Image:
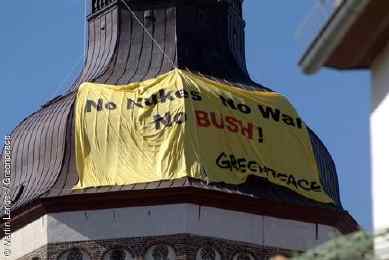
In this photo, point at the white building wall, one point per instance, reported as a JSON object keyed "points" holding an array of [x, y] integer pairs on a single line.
{"points": [[379, 121], [27, 239], [169, 220]]}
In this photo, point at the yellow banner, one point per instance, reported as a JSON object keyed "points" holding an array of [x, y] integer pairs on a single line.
{"points": [[182, 124]]}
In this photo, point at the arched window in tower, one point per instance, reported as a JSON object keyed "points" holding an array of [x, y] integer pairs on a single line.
{"points": [[75, 254], [118, 254], [149, 18], [160, 252], [201, 17], [243, 256], [240, 8], [235, 37], [208, 253]]}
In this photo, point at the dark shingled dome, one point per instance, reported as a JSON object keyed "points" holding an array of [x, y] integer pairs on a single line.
{"points": [[205, 37]]}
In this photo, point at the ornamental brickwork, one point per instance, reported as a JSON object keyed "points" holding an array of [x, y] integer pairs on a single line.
{"points": [[173, 247]]}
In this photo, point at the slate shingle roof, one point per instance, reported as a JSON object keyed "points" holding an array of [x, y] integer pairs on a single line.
{"points": [[119, 52]]}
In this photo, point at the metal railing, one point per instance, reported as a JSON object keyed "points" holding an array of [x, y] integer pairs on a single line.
{"points": [[98, 5]]}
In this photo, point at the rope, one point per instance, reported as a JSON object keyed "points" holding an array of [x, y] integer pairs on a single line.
{"points": [[148, 33], [60, 89]]}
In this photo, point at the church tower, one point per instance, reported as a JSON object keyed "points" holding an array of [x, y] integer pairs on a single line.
{"points": [[59, 212]]}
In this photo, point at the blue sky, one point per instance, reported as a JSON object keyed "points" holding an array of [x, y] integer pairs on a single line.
{"points": [[42, 49]]}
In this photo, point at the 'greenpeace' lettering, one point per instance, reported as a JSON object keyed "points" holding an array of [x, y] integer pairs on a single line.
{"points": [[232, 163]]}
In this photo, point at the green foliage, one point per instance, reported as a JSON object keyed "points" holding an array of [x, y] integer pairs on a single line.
{"points": [[357, 246]]}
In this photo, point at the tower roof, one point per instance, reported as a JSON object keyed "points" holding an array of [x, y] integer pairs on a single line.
{"points": [[205, 37]]}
